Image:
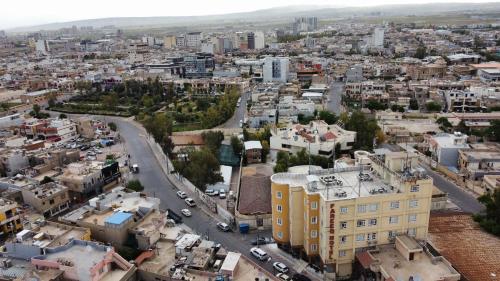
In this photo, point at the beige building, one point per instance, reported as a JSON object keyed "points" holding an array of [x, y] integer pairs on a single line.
{"points": [[327, 216], [48, 199]]}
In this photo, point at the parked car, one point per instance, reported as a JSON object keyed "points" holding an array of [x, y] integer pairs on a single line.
{"points": [[190, 202], [182, 194], [300, 277], [259, 254], [211, 192], [262, 241], [281, 267], [283, 276], [223, 226], [135, 168], [174, 216], [186, 212], [222, 194]]}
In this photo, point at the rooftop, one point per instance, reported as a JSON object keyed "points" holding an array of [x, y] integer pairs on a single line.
{"points": [[472, 251], [255, 190], [118, 218]]}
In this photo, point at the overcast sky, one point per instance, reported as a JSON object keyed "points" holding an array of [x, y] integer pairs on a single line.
{"points": [[15, 13]]}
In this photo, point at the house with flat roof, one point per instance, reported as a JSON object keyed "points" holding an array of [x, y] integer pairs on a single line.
{"points": [[444, 147]]}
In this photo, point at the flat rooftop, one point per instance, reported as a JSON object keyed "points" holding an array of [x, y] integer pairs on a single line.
{"points": [[163, 258], [118, 218], [398, 267], [340, 185]]}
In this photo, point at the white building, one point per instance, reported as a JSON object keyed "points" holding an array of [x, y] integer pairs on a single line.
{"points": [[208, 48], [489, 74], [276, 69], [444, 147], [193, 39], [378, 37], [318, 137], [259, 40]]}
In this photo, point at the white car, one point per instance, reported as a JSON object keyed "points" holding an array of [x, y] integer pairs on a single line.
{"points": [[280, 267], [190, 202], [259, 254], [223, 226], [222, 194], [182, 194], [283, 276], [186, 212]]}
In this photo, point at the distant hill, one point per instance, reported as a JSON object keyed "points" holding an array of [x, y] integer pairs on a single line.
{"points": [[275, 14]]}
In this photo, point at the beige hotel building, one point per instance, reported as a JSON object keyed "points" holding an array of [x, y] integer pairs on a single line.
{"points": [[328, 216]]}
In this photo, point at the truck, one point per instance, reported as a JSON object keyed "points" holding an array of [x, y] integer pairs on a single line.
{"points": [[174, 216]]}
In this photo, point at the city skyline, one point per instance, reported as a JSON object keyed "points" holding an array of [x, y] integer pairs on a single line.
{"points": [[60, 11]]}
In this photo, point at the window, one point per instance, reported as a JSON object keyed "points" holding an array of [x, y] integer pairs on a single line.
{"points": [[279, 195], [343, 210], [412, 218], [343, 239], [314, 205], [360, 237], [279, 208], [392, 234], [395, 205], [413, 203], [314, 234], [279, 221], [373, 222], [314, 247], [361, 223], [412, 232], [361, 208], [51, 201], [343, 225], [342, 253], [314, 220], [393, 219], [414, 188], [373, 207], [280, 234], [371, 236]]}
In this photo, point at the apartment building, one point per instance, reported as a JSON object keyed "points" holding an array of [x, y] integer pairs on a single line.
{"points": [[480, 160], [462, 101], [10, 221], [48, 199], [193, 39], [444, 147], [275, 69], [327, 216], [318, 138], [426, 71]]}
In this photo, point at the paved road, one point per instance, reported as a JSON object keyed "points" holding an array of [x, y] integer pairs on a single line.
{"points": [[335, 97], [459, 197], [239, 113], [156, 184]]}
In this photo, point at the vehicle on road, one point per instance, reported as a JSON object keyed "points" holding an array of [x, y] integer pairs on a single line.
{"points": [[280, 267], [182, 194], [300, 277], [135, 168], [259, 254], [222, 194], [262, 241], [223, 226], [174, 216], [190, 202], [186, 212], [211, 192], [283, 276]]}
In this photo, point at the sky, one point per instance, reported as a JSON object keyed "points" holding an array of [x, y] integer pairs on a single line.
{"points": [[17, 13]]}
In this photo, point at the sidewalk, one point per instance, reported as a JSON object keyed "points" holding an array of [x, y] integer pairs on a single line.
{"points": [[298, 265]]}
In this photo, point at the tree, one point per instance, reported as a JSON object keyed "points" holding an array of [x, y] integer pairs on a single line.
{"points": [[433, 106], [265, 150], [444, 124], [490, 220], [236, 144], [282, 159], [493, 132], [421, 52], [413, 104], [202, 168], [46, 179], [36, 110], [213, 140], [375, 105], [135, 185], [112, 126], [365, 130], [63, 116], [478, 42], [328, 117]]}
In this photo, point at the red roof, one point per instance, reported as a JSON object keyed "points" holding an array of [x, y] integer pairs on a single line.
{"points": [[329, 136], [365, 259]]}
